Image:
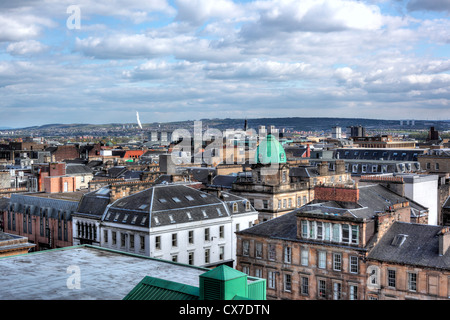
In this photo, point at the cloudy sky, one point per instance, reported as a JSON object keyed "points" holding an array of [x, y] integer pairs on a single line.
{"points": [[83, 61]]}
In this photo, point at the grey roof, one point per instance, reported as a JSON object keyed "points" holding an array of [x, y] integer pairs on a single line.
{"points": [[224, 181], [420, 248], [105, 274], [386, 154], [282, 227], [303, 172], [75, 169], [172, 203], [21, 202], [94, 203], [4, 203]]}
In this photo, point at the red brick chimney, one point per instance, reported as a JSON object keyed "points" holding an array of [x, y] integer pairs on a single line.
{"points": [[336, 193]]}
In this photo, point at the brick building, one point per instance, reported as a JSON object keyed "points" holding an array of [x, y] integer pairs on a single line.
{"points": [[46, 221], [319, 250], [410, 262]]}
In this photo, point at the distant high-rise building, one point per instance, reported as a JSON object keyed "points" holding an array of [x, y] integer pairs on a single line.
{"points": [[336, 133], [356, 131]]}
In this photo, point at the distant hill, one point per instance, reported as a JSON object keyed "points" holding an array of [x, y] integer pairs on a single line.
{"points": [[289, 123]]}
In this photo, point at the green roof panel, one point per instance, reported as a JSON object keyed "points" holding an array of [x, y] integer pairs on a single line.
{"points": [[159, 289]]}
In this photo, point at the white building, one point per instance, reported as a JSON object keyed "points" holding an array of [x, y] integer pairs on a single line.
{"points": [[423, 189], [174, 222]]}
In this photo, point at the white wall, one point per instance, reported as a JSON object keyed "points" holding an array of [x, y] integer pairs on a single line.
{"points": [[424, 192]]}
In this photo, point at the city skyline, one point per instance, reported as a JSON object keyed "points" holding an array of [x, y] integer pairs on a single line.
{"points": [[102, 62]]}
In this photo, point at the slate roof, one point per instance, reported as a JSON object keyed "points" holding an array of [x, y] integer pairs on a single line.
{"points": [[4, 204], [420, 248], [387, 154], [168, 204], [372, 199], [50, 206], [282, 227], [94, 203], [77, 169]]}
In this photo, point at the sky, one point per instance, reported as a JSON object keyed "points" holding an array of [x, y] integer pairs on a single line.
{"points": [[82, 61]]}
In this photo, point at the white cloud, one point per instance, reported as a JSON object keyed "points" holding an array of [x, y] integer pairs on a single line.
{"points": [[25, 47]]}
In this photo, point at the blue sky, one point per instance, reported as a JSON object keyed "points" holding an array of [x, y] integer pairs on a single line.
{"points": [[194, 59]]}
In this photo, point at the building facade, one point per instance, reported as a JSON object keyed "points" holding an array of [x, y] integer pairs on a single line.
{"points": [[319, 250]]}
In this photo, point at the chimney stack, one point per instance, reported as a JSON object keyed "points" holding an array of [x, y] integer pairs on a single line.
{"points": [[444, 240]]}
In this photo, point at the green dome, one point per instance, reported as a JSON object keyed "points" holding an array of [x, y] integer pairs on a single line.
{"points": [[270, 151]]}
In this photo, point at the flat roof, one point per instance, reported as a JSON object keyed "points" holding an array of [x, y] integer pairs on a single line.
{"points": [[105, 274]]}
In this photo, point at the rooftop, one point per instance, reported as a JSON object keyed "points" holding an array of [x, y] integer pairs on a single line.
{"points": [[104, 274]]}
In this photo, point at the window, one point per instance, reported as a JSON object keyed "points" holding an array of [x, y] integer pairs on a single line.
{"points": [[174, 258], [336, 232], [247, 205], [391, 278], [191, 237], [337, 288], [123, 238], [207, 255], [175, 199], [114, 238], [132, 241], [271, 282], [221, 232], [172, 220], [304, 257], [174, 240], [345, 233], [312, 229], [235, 207], [287, 283], [258, 250], [355, 234], [353, 292], [157, 242], [105, 235], [290, 203], [245, 248], [287, 254], [284, 203], [207, 235], [354, 268], [191, 258], [258, 273], [271, 253], [337, 261], [322, 259], [327, 235], [321, 289], [221, 252], [436, 166], [299, 202], [304, 286], [189, 198], [320, 230], [412, 281], [142, 240], [304, 229], [204, 214], [189, 215]]}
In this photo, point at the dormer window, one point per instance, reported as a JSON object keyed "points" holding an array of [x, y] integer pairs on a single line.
{"points": [[235, 207], [398, 240]]}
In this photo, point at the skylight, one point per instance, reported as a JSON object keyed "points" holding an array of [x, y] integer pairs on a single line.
{"points": [[189, 198], [176, 199]]}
